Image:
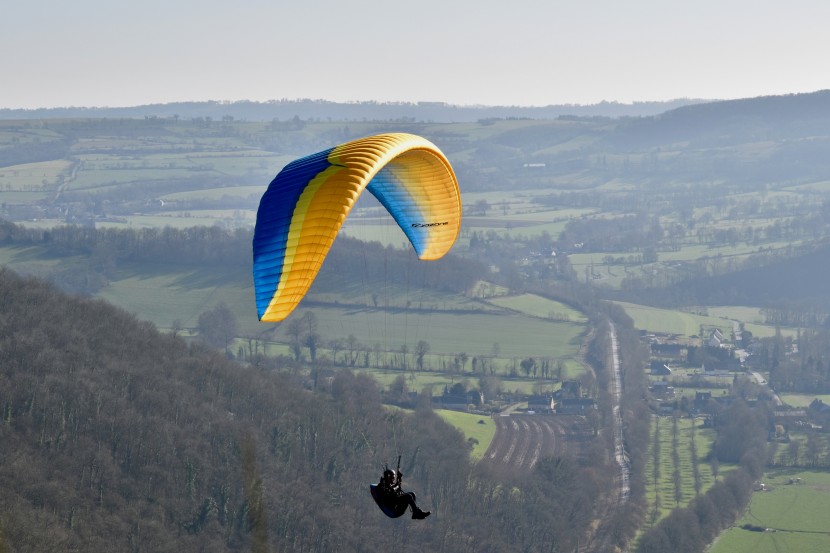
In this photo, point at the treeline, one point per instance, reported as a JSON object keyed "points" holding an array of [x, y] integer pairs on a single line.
{"points": [[372, 262], [800, 364], [168, 245], [98, 253], [116, 437], [33, 152], [789, 282], [741, 439]]}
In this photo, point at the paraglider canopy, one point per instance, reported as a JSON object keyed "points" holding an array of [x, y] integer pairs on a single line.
{"points": [[306, 203]]}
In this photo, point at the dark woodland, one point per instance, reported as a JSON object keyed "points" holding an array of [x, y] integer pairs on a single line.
{"points": [[116, 437]]}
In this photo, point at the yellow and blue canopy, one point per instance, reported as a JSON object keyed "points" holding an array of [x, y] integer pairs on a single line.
{"points": [[305, 205]]}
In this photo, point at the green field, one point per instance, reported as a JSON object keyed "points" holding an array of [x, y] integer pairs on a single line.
{"points": [[163, 296], [479, 429], [34, 177], [449, 333], [803, 400], [418, 381], [655, 319], [450, 324], [593, 266], [537, 306], [797, 515]]}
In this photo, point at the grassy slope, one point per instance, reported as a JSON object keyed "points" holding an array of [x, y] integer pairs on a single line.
{"points": [[797, 512], [474, 427]]}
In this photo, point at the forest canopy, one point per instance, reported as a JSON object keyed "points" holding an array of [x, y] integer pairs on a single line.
{"points": [[122, 437]]}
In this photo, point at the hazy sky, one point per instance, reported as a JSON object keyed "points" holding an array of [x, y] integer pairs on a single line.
{"points": [[514, 52]]}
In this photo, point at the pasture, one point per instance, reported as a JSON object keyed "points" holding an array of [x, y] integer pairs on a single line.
{"points": [[537, 306], [655, 319], [450, 325], [436, 381], [795, 514], [802, 400], [479, 430], [606, 270], [448, 333]]}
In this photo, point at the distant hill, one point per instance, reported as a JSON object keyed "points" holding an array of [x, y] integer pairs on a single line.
{"points": [[790, 116], [438, 112]]}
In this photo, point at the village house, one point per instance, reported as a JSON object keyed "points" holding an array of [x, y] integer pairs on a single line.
{"points": [[461, 401], [541, 404], [575, 406]]}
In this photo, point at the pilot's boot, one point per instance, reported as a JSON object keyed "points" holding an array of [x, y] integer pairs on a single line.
{"points": [[419, 514]]}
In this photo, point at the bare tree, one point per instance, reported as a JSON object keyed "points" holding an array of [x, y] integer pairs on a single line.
{"points": [[218, 326], [421, 349]]}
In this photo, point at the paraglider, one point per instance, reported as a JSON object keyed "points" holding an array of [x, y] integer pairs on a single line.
{"points": [[307, 202], [391, 498]]}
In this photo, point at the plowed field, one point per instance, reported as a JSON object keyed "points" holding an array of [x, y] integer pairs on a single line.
{"points": [[521, 440]]}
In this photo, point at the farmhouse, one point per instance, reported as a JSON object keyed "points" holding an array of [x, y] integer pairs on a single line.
{"points": [[716, 339], [540, 404], [575, 406], [461, 401]]}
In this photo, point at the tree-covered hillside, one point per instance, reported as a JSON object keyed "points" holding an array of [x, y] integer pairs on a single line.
{"points": [[115, 437]]}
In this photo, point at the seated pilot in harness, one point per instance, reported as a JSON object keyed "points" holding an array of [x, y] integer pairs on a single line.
{"points": [[392, 499]]}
